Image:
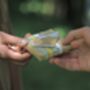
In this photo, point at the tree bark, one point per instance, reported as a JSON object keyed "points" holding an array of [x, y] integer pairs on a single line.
{"points": [[4, 16], [9, 73]]}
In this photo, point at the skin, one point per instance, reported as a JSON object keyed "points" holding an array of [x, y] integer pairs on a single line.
{"points": [[79, 58], [6, 51]]}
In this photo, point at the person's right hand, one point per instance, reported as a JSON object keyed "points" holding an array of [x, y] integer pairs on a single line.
{"points": [[79, 58], [7, 45]]}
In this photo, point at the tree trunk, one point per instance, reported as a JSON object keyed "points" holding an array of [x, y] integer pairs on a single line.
{"points": [[9, 73]]}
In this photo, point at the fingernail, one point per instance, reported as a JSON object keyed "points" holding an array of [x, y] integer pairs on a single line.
{"points": [[51, 61], [28, 35], [23, 42], [56, 61]]}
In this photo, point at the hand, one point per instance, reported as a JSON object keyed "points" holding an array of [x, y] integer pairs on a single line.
{"points": [[79, 58], [6, 51]]}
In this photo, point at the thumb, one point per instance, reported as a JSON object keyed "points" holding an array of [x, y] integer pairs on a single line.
{"points": [[22, 43], [77, 43], [73, 35]]}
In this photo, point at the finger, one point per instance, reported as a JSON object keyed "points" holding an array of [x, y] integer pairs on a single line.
{"points": [[22, 43], [7, 53], [18, 56], [73, 35], [57, 61], [28, 35], [52, 60], [71, 65], [68, 62], [7, 38], [65, 64], [60, 58]]}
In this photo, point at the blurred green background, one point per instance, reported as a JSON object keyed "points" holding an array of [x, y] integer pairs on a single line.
{"points": [[26, 17]]}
